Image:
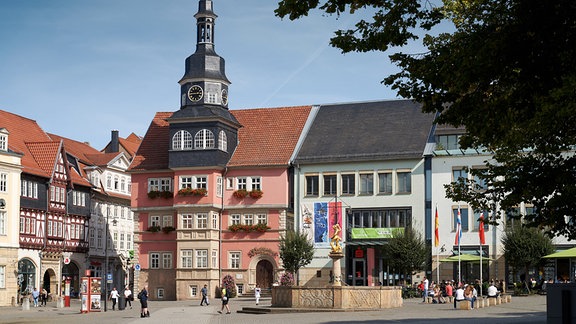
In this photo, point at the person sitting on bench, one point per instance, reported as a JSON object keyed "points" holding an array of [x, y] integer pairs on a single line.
{"points": [[459, 295]]}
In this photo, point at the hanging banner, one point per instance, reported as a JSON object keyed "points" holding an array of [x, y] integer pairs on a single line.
{"points": [[321, 224]]}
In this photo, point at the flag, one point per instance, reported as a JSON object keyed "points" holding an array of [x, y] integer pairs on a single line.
{"points": [[481, 229], [458, 228], [436, 225]]}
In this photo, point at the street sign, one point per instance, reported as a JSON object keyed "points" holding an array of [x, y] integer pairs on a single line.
{"points": [[66, 260], [137, 267], [109, 276]]}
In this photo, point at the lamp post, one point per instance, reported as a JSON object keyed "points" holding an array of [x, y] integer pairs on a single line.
{"points": [[106, 262]]}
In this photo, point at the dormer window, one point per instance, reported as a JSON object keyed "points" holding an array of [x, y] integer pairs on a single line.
{"points": [[222, 141], [203, 140], [182, 140], [3, 141]]}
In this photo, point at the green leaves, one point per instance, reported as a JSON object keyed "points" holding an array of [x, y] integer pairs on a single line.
{"points": [[296, 251]]}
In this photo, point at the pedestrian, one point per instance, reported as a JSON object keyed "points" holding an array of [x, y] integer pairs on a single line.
{"points": [[257, 291], [425, 282], [204, 292], [143, 296], [225, 298], [128, 296], [35, 295], [114, 297], [43, 297]]}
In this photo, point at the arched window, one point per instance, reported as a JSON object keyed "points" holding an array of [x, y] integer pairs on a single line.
{"points": [[222, 141], [204, 139], [182, 140]]}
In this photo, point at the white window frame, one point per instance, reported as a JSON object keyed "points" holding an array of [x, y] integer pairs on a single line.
{"points": [[3, 142], [234, 259], [261, 219], [201, 257], [186, 258], [235, 219], [154, 220], [214, 258], [202, 221], [167, 220], [154, 260], [3, 223], [248, 219], [204, 139], [167, 260], [2, 276], [3, 182], [222, 141], [187, 221], [182, 140]]}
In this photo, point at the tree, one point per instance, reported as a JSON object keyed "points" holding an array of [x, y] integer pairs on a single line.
{"points": [[524, 248], [406, 252], [296, 251], [506, 73]]}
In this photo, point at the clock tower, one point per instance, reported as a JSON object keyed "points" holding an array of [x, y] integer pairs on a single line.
{"points": [[203, 132], [204, 81]]}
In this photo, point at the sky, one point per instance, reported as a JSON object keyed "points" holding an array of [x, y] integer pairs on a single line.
{"points": [[84, 68]]}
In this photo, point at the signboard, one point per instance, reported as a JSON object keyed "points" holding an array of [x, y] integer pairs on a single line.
{"points": [[376, 233], [66, 260], [137, 267]]}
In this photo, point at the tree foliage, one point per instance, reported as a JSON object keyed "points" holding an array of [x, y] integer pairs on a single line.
{"points": [[406, 252], [296, 251], [524, 247], [506, 73]]}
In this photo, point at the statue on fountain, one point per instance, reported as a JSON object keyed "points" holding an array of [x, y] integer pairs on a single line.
{"points": [[335, 239]]}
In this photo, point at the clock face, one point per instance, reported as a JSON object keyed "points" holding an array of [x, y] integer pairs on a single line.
{"points": [[195, 93], [224, 97]]}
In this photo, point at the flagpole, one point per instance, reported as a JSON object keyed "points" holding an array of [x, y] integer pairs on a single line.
{"points": [[437, 243], [459, 239]]}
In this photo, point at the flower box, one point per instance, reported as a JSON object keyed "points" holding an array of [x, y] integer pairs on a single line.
{"points": [[168, 229], [240, 193], [154, 229], [256, 194], [249, 228], [200, 192], [153, 194]]}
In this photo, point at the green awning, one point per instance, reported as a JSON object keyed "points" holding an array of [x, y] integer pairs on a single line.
{"points": [[570, 253], [465, 258], [376, 233]]}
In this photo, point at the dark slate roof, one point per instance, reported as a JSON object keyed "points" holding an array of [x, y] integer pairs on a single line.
{"points": [[366, 131], [204, 112]]}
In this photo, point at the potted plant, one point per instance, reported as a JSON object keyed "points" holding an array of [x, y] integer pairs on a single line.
{"points": [[168, 229], [240, 193], [185, 192], [256, 194], [166, 194], [199, 192]]}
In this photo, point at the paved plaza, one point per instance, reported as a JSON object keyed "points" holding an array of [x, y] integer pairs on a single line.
{"points": [[531, 309]]}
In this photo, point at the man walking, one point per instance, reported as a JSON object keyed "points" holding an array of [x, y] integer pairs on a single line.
{"points": [[204, 292], [114, 297]]}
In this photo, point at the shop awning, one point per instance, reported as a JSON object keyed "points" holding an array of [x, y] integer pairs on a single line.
{"points": [[570, 253], [465, 258]]}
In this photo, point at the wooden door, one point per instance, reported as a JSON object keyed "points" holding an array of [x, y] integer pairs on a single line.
{"points": [[264, 274]]}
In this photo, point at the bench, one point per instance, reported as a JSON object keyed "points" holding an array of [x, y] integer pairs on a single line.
{"points": [[493, 301], [465, 304]]}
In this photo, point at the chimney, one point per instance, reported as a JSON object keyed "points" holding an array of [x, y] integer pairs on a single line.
{"points": [[114, 143]]}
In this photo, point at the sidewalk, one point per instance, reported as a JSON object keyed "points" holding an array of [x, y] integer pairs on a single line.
{"points": [[530, 309]]}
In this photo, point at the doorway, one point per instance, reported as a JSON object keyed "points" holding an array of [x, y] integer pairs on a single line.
{"points": [[264, 274], [359, 272]]}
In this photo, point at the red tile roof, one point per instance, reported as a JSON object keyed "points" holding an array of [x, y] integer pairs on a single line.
{"points": [[153, 151], [23, 130], [268, 135], [267, 138], [131, 143]]}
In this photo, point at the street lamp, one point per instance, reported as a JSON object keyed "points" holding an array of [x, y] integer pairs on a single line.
{"points": [[106, 232]]}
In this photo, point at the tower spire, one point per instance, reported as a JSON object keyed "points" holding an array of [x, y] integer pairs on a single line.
{"points": [[204, 81]]}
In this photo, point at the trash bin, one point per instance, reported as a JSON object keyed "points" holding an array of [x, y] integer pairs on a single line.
{"points": [[121, 302]]}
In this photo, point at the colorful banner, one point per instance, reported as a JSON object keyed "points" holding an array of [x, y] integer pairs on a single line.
{"points": [[321, 224], [376, 233]]}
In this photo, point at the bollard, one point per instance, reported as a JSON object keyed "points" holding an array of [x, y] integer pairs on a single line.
{"points": [[60, 302], [25, 303], [13, 302]]}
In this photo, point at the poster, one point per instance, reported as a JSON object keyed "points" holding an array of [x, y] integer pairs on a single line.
{"points": [[321, 224], [95, 303]]}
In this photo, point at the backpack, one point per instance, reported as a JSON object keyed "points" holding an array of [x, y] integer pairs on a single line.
{"points": [[140, 294], [228, 293]]}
